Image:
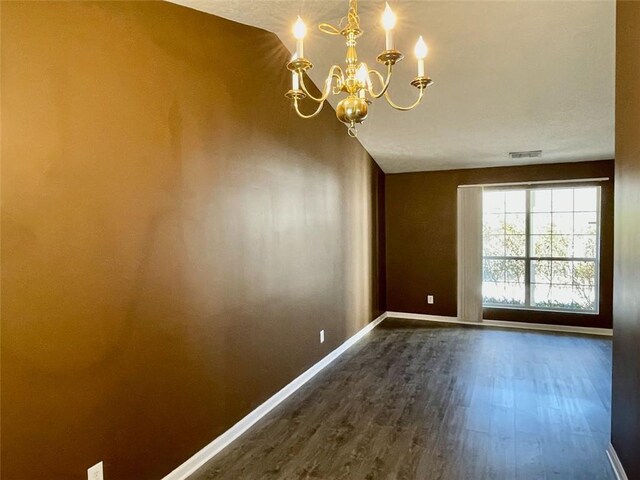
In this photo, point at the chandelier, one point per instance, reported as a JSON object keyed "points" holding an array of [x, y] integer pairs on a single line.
{"points": [[355, 79]]}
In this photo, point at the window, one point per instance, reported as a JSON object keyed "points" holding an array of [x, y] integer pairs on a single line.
{"points": [[541, 248]]}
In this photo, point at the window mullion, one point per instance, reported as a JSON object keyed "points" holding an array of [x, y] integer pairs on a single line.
{"points": [[527, 252]]}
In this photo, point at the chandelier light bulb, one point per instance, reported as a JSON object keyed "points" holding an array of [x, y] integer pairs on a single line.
{"points": [[362, 74], [421, 49], [299, 29], [388, 18], [388, 22]]}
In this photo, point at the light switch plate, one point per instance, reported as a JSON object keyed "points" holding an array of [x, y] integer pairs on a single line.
{"points": [[321, 336], [430, 299]]}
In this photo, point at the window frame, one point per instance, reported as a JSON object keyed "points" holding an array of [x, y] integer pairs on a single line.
{"points": [[529, 259]]}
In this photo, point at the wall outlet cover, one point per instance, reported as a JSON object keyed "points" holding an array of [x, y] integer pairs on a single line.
{"points": [[96, 472]]}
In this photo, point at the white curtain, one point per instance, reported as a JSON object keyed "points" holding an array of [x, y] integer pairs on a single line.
{"points": [[470, 254]]}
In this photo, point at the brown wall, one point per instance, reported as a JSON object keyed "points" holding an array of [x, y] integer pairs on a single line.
{"points": [[625, 429], [421, 238], [173, 237]]}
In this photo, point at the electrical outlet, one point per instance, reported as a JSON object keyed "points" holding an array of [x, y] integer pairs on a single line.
{"points": [[95, 472], [321, 336], [430, 299]]}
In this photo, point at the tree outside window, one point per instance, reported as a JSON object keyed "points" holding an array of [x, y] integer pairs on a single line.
{"points": [[540, 248]]}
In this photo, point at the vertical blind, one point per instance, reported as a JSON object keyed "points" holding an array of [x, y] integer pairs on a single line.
{"points": [[470, 254]]}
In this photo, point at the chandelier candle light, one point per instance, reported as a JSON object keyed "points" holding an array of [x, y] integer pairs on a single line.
{"points": [[355, 79]]}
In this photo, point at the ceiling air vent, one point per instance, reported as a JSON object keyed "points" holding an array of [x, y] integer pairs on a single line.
{"points": [[529, 154]]}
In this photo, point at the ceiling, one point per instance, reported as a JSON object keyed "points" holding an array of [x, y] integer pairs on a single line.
{"points": [[509, 76]]}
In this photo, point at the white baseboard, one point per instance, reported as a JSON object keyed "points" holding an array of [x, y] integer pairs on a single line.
{"points": [[502, 324], [428, 318], [615, 464], [208, 452]]}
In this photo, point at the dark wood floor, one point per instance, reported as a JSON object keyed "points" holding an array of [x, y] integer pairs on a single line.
{"points": [[416, 400]]}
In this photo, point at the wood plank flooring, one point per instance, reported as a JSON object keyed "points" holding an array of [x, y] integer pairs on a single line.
{"points": [[416, 400]]}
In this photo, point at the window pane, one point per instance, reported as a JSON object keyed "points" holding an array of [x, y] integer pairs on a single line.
{"points": [[493, 270], [584, 246], [584, 274], [562, 200], [584, 298], [541, 294], [558, 293], [493, 246], [541, 200], [563, 223], [561, 296], [541, 271], [585, 223], [503, 293], [514, 293], [515, 223], [540, 223], [561, 246], [491, 292], [541, 245], [515, 245], [586, 199], [514, 271], [516, 201], [493, 223], [493, 201], [562, 273]]}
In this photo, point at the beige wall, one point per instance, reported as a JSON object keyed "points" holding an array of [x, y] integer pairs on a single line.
{"points": [[173, 237]]}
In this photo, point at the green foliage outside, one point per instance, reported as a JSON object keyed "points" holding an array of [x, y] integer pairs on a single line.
{"points": [[546, 275]]}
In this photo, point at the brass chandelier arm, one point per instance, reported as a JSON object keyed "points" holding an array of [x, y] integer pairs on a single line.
{"points": [[404, 109], [383, 83], [297, 109], [321, 99], [327, 84]]}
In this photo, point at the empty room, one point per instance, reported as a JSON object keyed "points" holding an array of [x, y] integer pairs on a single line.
{"points": [[320, 239]]}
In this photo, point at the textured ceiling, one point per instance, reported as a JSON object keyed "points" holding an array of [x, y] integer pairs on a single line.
{"points": [[509, 76]]}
